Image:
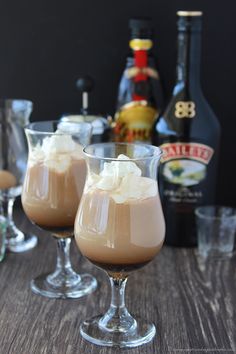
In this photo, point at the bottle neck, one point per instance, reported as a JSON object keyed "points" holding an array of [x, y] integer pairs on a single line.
{"points": [[140, 49], [189, 53]]}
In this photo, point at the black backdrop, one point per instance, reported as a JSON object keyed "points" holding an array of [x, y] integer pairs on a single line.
{"points": [[46, 45]]}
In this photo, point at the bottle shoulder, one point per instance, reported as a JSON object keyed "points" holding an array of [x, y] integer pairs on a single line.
{"points": [[187, 115]]}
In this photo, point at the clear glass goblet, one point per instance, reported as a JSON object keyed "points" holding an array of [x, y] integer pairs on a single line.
{"points": [[14, 115], [51, 194], [120, 227]]}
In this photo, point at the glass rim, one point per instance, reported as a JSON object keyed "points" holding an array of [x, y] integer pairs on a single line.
{"points": [[199, 212], [95, 115], [157, 152], [28, 128], [11, 100]]}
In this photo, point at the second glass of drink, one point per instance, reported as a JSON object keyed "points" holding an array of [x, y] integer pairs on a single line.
{"points": [[51, 194]]}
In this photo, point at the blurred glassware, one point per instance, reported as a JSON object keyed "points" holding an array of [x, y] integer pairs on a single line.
{"points": [[14, 115], [216, 226], [3, 228], [102, 125]]}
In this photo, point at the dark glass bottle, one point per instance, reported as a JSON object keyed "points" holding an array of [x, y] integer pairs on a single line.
{"points": [[189, 133], [140, 93]]}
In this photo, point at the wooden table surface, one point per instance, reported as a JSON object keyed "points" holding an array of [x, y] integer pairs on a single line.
{"points": [[192, 304]]}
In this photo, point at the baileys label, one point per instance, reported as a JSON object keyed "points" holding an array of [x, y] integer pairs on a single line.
{"points": [[185, 163]]}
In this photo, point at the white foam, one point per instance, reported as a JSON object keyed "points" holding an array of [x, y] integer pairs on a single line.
{"points": [[57, 144], [120, 168], [56, 152], [132, 187], [60, 164], [123, 181]]}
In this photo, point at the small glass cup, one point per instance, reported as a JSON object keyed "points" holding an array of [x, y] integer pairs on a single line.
{"points": [[216, 227], [3, 229]]}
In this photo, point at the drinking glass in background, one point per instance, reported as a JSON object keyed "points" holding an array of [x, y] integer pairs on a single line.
{"points": [[216, 226], [102, 124], [14, 115], [3, 228], [120, 227], [102, 131], [51, 194]]}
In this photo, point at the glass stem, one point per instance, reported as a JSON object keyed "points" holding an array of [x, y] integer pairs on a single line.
{"points": [[63, 253], [63, 275], [117, 317], [118, 293], [7, 209], [13, 234]]}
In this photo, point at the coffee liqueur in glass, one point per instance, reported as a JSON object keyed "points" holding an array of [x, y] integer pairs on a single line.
{"points": [[120, 227], [59, 190], [125, 241], [52, 191]]}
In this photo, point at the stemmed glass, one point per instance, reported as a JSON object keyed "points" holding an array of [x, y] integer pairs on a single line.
{"points": [[51, 193], [14, 115], [120, 227]]}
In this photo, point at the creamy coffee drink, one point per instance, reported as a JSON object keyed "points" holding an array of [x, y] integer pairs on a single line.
{"points": [[54, 183], [120, 225]]}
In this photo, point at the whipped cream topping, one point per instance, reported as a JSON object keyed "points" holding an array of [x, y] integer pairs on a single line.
{"points": [[123, 181], [56, 152]]}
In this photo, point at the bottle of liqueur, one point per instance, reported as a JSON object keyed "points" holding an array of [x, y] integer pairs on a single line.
{"points": [[140, 93], [189, 133]]}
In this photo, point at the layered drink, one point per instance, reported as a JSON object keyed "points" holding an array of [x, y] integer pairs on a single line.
{"points": [[120, 224], [54, 184]]}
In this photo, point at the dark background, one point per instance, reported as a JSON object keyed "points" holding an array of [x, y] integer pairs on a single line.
{"points": [[46, 45]]}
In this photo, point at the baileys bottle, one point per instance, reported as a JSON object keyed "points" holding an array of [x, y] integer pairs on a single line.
{"points": [[188, 133]]}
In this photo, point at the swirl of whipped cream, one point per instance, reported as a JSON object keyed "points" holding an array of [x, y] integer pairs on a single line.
{"points": [[123, 181], [56, 152]]}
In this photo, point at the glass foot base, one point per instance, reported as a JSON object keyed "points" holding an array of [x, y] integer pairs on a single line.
{"points": [[85, 286], [24, 244], [141, 334]]}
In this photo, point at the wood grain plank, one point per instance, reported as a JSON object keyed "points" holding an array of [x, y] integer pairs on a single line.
{"points": [[192, 303]]}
